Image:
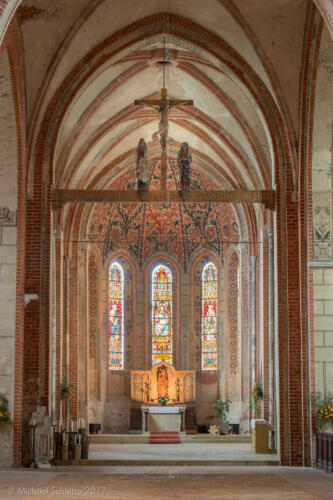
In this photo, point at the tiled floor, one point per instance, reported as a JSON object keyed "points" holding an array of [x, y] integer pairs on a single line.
{"points": [[204, 483]]}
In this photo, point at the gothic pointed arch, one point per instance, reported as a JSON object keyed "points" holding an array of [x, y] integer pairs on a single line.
{"points": [[209, 316], [120, 308], [162, 310]]}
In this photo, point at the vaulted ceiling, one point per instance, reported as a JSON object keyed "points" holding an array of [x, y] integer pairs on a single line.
{"points": [[86, 61], [232, 62]]}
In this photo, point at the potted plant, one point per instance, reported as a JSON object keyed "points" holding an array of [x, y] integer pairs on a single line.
{"points": [[66, 396], [162, 400], [4, 410], [222, 409], [256, 398], [323, 411]]}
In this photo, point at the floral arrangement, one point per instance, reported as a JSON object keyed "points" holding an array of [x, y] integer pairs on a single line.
{"points": [[325, 413], [323, 408], [162, 400], [214, 430], [4, 411], [256, 397], [65, 393]]}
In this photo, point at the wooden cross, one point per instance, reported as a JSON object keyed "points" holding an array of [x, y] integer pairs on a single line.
{"points": [[163, 106]]}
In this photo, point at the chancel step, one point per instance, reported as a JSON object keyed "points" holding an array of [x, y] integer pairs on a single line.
{"points": [[184, 438], [164, 437]]}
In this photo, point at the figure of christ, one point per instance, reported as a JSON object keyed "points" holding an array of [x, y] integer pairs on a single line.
{"points": [[142, 167], [162, 382], [163, 107], [162, 326]]}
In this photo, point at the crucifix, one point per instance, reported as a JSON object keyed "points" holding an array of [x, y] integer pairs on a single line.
{"points": [[163, 105]]}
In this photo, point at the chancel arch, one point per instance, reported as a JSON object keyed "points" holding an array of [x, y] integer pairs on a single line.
{"points": [[251, 127]]}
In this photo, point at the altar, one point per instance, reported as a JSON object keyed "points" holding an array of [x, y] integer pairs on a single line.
{"points": [[163, 418]]}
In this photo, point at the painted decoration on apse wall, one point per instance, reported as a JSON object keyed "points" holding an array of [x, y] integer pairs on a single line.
{"points": [[116, 317], [161, 315], [209, 317]]}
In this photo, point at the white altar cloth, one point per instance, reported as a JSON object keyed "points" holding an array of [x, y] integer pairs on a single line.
{"points": [[164, 409], [163, 418]]}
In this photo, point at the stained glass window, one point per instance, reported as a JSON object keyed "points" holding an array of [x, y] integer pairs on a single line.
{"points": [[161, 315], [116, 317], [209, 317]]}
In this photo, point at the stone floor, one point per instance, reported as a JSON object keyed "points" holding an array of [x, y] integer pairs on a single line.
{"points": [[202, 483], [184, 452]]}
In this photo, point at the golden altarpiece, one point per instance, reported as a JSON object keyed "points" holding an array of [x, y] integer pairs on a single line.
{"points": [[165, 386]]}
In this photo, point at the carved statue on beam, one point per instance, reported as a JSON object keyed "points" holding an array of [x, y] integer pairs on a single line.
{"points": [[184, 161], [142, 167]]}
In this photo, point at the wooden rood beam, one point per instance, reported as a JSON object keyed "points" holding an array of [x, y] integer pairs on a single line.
{"points": [[61, 196]]}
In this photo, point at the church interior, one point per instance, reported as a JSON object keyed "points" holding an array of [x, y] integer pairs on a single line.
{"points": [[166, 241]]}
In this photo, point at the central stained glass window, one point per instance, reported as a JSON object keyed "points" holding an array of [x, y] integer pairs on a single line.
{"points": [[116, 317], [161, 315], [209, 317]]}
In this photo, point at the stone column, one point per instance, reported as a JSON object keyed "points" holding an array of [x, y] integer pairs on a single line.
{"points": [[53, 326], [67, 333], [253, 319], [67, 322], [271, 398]]}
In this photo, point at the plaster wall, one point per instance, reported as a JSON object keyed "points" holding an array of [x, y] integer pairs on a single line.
{"points": [[8, 233], [322, 154], [323, 328], [322, 218], [278, 26]]}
